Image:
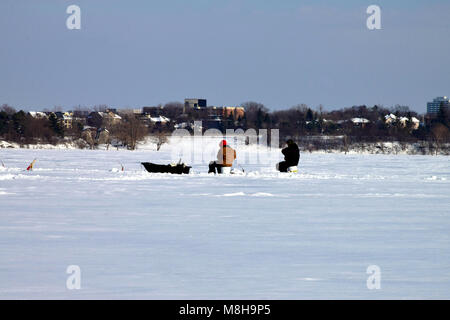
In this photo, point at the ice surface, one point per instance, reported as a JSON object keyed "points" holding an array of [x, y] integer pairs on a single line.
{"points": [[257, 235]]}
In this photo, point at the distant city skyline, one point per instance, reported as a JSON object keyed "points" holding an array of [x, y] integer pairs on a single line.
{"points": [[130, 54]]}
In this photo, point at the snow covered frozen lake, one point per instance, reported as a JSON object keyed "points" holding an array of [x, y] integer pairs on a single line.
{"points": [[260, 235]]}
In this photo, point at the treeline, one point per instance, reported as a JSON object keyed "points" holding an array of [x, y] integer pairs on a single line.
{"points": [[302, 122], [22, 128], [350, 125], [341, 128]]}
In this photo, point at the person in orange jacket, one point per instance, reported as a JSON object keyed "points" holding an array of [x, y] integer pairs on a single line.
{"points": [[225, 158]]}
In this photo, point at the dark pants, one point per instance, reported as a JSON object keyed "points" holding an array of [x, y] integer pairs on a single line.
{"points": [[214, 166], [283, 166]]}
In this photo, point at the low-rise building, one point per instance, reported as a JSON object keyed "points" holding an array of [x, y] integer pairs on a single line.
{"points": [[415, 123], [101, 119], [194, 104], [224, 112], [235, 112], [65, 118], [38, 115], [159, 119], [153, 111], [390, 118], [403, 121], [360, 121]]}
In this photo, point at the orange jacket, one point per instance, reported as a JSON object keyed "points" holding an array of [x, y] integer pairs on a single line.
{"points": [[226, 156]]}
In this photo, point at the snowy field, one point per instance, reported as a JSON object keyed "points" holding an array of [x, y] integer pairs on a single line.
{"points": [[258, 235]]}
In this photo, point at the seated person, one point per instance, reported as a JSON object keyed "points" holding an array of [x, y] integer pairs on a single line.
{"points": [[291, 156], [225, 158]]}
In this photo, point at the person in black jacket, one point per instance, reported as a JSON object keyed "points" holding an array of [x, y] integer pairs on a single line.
{"points": [[291, 156]]}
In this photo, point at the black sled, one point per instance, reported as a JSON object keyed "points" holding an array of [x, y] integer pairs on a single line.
{"points": [[180, 168]]}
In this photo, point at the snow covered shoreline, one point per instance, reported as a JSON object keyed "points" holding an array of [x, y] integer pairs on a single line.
{"points": [[388, 148]]}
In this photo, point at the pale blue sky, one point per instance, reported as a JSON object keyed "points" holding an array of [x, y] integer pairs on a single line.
{"points": [[280, 53]]}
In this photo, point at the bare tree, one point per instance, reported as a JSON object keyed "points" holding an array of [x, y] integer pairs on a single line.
{"points": [[440, 135], [100, 108], [7, 109], [81, 111], [160, 138], [173, 110], [87, 136], [38, 130], [129, 131], [255, 114]]}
